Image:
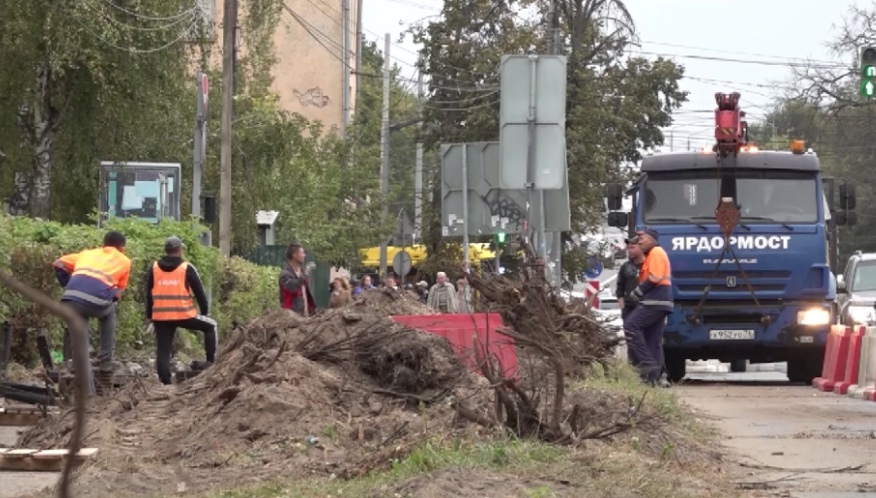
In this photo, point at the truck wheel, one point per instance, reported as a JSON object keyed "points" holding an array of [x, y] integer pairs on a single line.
{"points": [[805, 367], [675, 366], [738, 366]]}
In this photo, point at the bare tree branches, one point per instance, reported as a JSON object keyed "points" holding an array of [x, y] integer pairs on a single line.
{"points": [[556, 342]]}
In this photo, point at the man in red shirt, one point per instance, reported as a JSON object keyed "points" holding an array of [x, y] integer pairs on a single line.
{"points": [[653, 297], [294, 289]]}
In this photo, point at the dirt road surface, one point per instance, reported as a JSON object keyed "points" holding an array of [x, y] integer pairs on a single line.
{"points": [[790, 440], [19, 483]]}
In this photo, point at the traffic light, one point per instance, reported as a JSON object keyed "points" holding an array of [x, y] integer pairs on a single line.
{"points": [[868, 72], [499, 239]]}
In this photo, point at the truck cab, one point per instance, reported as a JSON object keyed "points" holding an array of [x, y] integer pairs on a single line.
{"points": [[765, 292]]}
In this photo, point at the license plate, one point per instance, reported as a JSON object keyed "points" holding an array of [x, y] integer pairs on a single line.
{"points": [[807, 339], [731, 335]]}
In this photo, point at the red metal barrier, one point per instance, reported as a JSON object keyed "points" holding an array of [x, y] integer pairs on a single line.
{"points": [[853, 360], [463, 330], [836, 353]]}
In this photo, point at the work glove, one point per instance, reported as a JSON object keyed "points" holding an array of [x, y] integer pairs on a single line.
{"points": [[635, 296], [151, 328]]}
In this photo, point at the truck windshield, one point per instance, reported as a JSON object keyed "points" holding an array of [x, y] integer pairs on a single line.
{"points": [[865, 277], [764, 196]]}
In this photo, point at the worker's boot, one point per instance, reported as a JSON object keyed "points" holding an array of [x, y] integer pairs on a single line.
{"points": [[201, 365]]}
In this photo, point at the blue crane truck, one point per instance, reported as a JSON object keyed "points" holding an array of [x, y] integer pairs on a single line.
{"points": [[751, 238]]}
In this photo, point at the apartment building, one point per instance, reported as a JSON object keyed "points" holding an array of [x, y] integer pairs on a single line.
{"points": [[312, 70]]}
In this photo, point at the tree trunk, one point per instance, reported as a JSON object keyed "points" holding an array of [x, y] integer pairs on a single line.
{"points": [[38, 121]]}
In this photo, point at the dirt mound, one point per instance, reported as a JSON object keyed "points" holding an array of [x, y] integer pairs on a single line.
{"points": [[338, 394], [390, 302]]}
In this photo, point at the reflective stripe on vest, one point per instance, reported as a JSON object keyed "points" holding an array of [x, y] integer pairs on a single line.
{"points": [[171, 299]]}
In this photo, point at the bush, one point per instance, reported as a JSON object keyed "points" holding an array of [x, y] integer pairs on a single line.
{"points": [[240, 290]]}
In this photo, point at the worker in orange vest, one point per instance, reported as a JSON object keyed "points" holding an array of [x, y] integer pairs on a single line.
{"points": [[93, 282], [169, 287]]}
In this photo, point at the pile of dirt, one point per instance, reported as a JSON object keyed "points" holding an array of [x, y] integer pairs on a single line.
{"points": [[390, 302], [338, 394]]}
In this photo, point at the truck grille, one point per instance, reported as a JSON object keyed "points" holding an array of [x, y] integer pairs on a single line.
{"points": [[759, 280]]}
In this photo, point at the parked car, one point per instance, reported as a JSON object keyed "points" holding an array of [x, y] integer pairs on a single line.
{"points": [[856, 291]]}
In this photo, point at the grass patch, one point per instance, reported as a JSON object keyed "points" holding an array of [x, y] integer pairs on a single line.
{"points": [[500, 455], [621, 379]]}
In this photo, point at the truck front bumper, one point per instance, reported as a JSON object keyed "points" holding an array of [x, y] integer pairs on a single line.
{"points": [[733, 326]]}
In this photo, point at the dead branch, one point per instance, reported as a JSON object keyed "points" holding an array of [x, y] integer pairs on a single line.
{"points": [[80, 356]]}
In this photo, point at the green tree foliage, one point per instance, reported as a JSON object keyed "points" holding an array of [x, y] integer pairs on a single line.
{"points": [[83, 81], [616, 105]]}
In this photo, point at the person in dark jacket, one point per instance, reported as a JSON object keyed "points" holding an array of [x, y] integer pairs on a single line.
{"points": [[170, 284], [294, 288], [628, 277]]}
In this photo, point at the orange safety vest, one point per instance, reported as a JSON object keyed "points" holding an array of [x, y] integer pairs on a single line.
{"points": [[171, 299], [97, 276]]}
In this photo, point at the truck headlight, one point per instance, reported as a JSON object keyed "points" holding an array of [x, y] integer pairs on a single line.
{"points": [[814, 316], [862, 314]]}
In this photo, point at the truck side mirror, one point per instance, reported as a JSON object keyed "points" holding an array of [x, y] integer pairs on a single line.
{"points": [[847, 197], [845, 218], [841, 284], [614, 195], [617, 219]]}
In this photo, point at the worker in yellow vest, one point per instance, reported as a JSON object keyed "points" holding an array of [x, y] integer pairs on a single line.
{"points": [[170, 284]]}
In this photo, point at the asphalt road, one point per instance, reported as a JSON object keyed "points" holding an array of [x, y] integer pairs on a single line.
{"points": [[790, 440]]}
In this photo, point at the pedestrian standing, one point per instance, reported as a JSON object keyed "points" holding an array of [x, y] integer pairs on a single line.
{"points": [[294, 288], [643, 327], [628, 277], [170, 284], [442, 295], [93, 282], [341, 294], [464, 298]]}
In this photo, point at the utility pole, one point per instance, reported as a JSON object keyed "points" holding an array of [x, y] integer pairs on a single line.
{"points": [[359, 5], [200, 155], [688, 144], [345, 67], [229, 22], [384, 148], [671, 141], [418, 168]]}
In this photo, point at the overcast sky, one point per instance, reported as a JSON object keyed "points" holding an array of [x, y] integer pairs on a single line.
{"points": [[757, 40]]}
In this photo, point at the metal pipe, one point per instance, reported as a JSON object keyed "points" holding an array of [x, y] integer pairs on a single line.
{"points": [[530, 153], [465, 244]]}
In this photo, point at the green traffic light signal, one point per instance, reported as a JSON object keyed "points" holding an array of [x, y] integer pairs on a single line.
{"points": [[868, 72], [500, 237]]}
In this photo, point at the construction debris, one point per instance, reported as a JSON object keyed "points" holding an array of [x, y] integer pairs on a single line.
{"points": [[342, 394], [20, 416], [30, 460]]}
